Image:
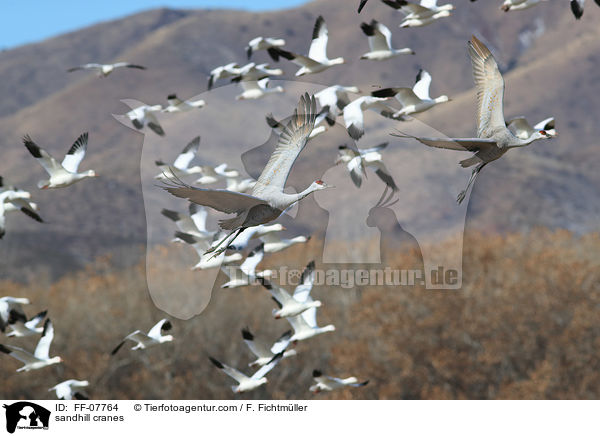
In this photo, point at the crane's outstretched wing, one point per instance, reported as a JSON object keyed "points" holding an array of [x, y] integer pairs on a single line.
{"points": [[490, 87], [219, 199], [459, 144], [292, 140]]}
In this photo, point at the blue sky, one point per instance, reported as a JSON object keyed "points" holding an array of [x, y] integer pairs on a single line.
{"points": [[25, 21]]}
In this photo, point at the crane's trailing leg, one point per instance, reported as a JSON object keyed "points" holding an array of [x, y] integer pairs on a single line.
{"points": [[221, 250], [474, 174]]}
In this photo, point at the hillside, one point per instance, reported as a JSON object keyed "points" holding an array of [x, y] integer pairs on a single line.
{"points": [[550, 183]]}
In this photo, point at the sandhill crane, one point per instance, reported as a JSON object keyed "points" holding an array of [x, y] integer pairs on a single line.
{"points": [[357, 160], [317, 59], [519, 5], [264, 352], [104, 70], [413, 100], [246, 383], [268, 201], [325, 383], [181, 166], [40, 357], [262, 43], [223, 72], [61, 174], [177, 105], [70, 389], [143, 340], [380, 42], [493, 139], [523, 130]]}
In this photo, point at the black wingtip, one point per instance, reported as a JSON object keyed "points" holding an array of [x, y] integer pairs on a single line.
{"points": [[273, 53], [185, 237], [247, 335], [384, 93], [354, 132], [361, 5], [171, 96], [317, 373], [32, 146], [46, 326], [166, 326], [216, 362], [318, 25], [367, 29], [171, 214], [117, 348]]}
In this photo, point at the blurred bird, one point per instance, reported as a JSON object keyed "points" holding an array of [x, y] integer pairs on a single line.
{"points": [[40, 357], [143, 340], [325, 383], [104, 70]]}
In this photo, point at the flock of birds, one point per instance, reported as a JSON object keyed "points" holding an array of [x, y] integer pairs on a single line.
{"points": [[255, 204]]}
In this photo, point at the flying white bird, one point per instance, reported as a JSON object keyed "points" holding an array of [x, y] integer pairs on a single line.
{"points": [[523, 130], [268, 201], [12, 199], [261, 43], [223, 72], [246, 274], [104, 70], [65, 173], [274, 243], [201, 246], [413, 100], [244, 238], [335, 98], [144, 115], [246, 383], [380, 42], [193, 224], [493, 139], [143, 340], [177, 105], [11, 311], [354, 117], [22, 328], [255, 89], [519, 5], [237, 184], [358, 159], [40, 357], [263, 351], [325, 383], [70, 389], [317, 59], [181, 166], [212, 175]]}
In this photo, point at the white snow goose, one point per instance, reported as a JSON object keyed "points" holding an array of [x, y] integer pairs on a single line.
{"points": [[354, 117], [422, 14], [144, 115], [493, 139], [40, 357], [244, 238], [61, 174], [520, 5], [70, 389], [335, 98], [177, 105], [212, 174], [290, 306], [358, 159], [143, 340], [181, 166], [523, 130], [415, 100], [325, 383], [22, 328], [246, 274], [274, 243], [262, 43], [255, 89], [193, 224], [206, 261], [223, 72], [268, 201], [14, 200], [380, 42], [265, 353], [11, 311], [237, 184], [104, 70], [246, 383], [317, 60]]}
